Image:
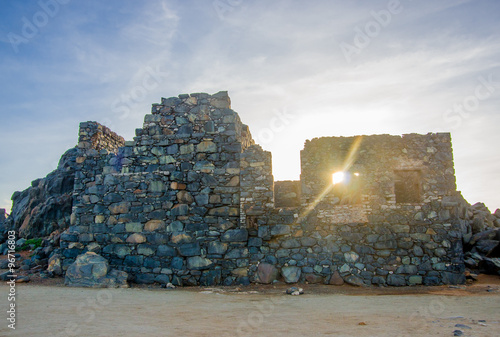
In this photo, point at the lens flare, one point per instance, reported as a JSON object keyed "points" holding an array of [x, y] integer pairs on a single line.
{"points": [[348, 162], [338, 177]]}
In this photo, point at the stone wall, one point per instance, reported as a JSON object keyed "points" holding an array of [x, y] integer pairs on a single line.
{"points": [[167, 205], [191, 200], [357, 230], [287, 193], [256, 184], [400, 253], [372, 164]]}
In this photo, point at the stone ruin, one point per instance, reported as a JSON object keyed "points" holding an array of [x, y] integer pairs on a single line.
{"points": [[192, 201]]}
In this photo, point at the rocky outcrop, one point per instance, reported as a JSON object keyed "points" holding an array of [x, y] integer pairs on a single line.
{"points": [[92, 270], [45, 206], [54, 266], [490, 265], [482, 218], [483, 251], [3, 220]]}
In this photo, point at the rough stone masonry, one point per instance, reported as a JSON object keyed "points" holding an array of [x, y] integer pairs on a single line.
{"points": [[191, 200]]}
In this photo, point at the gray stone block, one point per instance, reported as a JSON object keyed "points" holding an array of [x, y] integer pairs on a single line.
{"points": [[291, 274]]}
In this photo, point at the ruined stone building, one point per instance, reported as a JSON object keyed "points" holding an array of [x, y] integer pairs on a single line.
{"points": [[192, 200]]}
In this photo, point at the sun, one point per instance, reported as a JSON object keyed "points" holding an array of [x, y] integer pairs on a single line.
{"points": [[338, 177]]}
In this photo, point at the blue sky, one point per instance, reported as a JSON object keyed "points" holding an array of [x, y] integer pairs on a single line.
{"points": [[295, 70]]}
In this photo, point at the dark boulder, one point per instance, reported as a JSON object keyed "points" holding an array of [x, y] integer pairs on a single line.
{"points": [[490, 265], [487, 247]]}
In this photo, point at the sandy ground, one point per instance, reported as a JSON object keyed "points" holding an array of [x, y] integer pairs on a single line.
{"points": [[55, 310]]}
